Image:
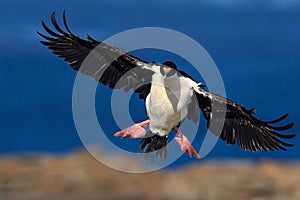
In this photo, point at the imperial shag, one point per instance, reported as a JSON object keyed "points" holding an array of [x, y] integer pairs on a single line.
{"points": [[170, 96]]}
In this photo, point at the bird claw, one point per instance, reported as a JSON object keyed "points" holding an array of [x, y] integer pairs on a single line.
{"points": [[192, 152], [186, 146], [132, 132]]}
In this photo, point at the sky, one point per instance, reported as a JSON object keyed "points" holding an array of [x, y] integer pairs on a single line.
{"points": [[255, 45]]}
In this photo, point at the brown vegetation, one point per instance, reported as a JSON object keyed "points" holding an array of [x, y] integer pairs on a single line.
{"points": [[80, 176]]}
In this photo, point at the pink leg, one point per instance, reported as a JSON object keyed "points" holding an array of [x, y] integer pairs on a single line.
{"points": [[184, 144], [134, 131]]}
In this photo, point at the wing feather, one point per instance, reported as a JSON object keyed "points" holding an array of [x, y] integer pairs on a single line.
{"points": [[106, 64], [240, 125]]}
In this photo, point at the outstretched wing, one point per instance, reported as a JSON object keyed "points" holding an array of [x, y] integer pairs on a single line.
{"points": [[240, 126], [105, 64]]}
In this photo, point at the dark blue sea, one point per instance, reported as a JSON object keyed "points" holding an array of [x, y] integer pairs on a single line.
{"points": [[255, 44]]}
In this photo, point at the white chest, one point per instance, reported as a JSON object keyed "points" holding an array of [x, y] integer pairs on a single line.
{"points": [[167, 103]]}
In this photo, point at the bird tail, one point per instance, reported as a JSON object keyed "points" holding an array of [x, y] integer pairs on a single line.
{"points": [[154, 143]]}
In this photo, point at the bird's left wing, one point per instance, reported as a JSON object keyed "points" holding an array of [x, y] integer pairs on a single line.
{"points": [[106, 64], [193, 107], [233, 123]]}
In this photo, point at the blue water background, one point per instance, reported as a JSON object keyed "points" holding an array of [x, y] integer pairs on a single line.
{"points": [[255, 44]]}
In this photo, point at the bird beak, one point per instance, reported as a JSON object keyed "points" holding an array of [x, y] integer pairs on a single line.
{"points": [[167, 69]]}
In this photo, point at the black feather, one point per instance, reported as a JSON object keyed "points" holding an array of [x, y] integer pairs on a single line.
{"points": [[241, 126], [105, 64]]}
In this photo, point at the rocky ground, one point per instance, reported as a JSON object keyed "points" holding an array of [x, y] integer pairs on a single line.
{"points": [[80, 176]]}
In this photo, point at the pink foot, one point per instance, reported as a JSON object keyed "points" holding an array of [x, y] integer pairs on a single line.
{"points": [[185, 145], [134, 131]]}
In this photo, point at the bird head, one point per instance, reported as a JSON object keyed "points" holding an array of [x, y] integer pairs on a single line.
{"points": [[168, 69]]}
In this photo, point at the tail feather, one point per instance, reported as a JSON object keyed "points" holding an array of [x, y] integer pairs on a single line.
{"points": [[154, 143]]}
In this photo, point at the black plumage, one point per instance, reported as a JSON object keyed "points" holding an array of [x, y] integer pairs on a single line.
{"points": [[240, 126], [228, 120], [105, 64]]}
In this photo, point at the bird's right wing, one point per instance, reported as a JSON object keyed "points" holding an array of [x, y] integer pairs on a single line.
{"points": [[106, 64]]}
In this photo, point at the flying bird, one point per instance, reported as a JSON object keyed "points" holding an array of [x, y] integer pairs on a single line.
{"points": [[170, 96]]}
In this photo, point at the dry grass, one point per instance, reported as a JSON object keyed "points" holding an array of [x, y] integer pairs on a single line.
{"points": [[80, 176]]}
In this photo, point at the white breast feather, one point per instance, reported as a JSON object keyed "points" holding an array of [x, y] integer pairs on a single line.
{"points": [[160, 110]]}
